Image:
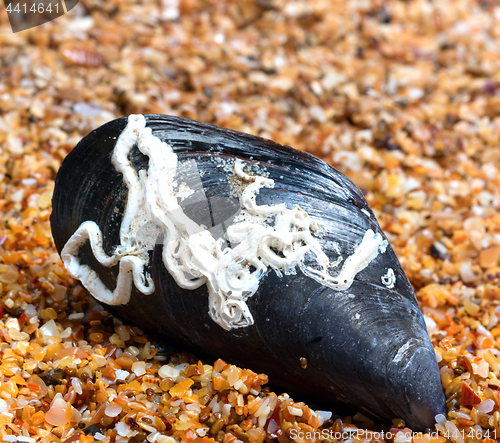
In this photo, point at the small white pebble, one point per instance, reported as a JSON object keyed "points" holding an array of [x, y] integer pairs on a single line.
{"points": [[486, 406], [121, 374], [440, 248], [17, 196], [364, 135], [332, 80], [401, 437], [323, 416], [77, 385], [295, 411], [98, 359], [429, 322], [153, 437], [139, 368], [483, 369], [122, 428], [238, 384], [273, 426], [12, 323], [415, 93], [493, 321], [50, 329], [29, 181], [317, 113], [18, 335], [180, 367], [226, 409], [441, 419], [316, 87], [466, 273], [113, 410], [168, 371], [483, 331], [454, 433], [193, 407], [202, 432]]}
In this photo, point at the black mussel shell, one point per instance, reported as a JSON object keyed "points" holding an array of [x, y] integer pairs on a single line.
{"points": [[365, 346]]}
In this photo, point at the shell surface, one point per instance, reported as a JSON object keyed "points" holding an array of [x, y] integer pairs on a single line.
{"points": [[250, 251]]}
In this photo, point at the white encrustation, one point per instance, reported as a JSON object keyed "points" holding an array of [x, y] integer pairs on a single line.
{"points": [[262, 237], [389, 279]]}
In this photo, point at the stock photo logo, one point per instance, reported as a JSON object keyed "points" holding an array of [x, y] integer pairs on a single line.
{"points": [[26, 14]]}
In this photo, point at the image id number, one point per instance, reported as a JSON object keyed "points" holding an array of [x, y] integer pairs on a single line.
{"points": [[35, 8]]}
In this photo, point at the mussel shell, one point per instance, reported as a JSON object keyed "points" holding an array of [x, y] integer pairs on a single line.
{"points": [[366, 346]]}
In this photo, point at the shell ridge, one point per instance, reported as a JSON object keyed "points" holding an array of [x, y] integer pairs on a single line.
{"points": [[265, 148]]}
